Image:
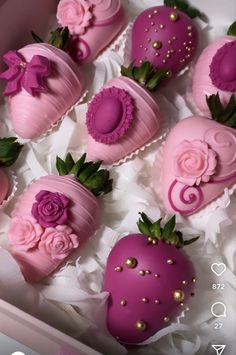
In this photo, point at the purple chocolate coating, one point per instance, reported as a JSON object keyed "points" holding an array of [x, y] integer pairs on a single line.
{"points": [[132, 287], [223, 68], [178, 39], [108, 115]]}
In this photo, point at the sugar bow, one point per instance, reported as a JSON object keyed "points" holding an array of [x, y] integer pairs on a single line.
{"points": [[21, 74]]}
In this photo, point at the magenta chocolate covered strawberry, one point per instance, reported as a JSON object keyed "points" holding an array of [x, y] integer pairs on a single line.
{"points": [[149, 279], [199, 160], [166, 36], [92, 24], [9, 152], [215, 71], [124, 115], [43, 83], [56, 214]]}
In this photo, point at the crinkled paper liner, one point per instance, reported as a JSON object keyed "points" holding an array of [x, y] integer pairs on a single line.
{"points": [[13, 188], [221, 202], [56, 124]]}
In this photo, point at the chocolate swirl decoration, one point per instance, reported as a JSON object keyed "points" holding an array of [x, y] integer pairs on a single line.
{"points": [[184, 199]]}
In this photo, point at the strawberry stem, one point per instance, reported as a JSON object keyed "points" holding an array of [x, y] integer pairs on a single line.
{"points": [[225, 115], [166, 234]]}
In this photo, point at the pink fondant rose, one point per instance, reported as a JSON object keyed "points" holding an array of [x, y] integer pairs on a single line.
{"points": [[58, 242], [50, 208], [75, 14], [24, 232], [194, 162]]}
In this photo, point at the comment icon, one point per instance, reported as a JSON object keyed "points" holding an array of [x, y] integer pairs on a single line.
{"points": [[218, 310]]}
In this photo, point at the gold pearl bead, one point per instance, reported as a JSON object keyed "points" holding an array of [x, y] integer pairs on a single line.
{"points": [[164, 60], [189, 28], [184, 282], [131, 263], [170, 262], [178, 295], [141, 325], [181, 304], [154, 241], [150, 239], [161, 26], [118, 268], [193, 280], [169, 73], [145, 300], [190, 34], [141, 272], [166, 319], [157, 45], [174, 16], [123, 302], [146, 30], [148, 272], [155, 12], [157, 301], [149, 16], [157, 275]]}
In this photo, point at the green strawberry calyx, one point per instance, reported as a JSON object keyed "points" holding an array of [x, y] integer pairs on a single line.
{"points": [[58, 38], [145, 75], [167, 233], [220, 113], [88, 173], [232, 30], [9, 151], [183, 6]]}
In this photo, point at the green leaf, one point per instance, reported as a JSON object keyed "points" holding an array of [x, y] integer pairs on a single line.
{"points": [[156, 230], [168, 229], [145, 219], [107, 187], [36, 38], [89, 170], [190, 241], [9, 151], [61, 167], [75, 170], [215, 106], [128, 72], [156, 79], [69, 161], [143, 228], [225, 115], [232, 30]]}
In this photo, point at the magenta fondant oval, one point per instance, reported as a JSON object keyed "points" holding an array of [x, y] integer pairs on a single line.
{"points": [[108, 115], [227, 67]]}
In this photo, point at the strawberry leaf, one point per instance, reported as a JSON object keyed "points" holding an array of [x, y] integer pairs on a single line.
{"points": [[143, 228], [190, 241], [75, 170], [232, 30], [61, 167], [168, 229], [69, 161], [156, 230], [225, 115], [9, 151]]}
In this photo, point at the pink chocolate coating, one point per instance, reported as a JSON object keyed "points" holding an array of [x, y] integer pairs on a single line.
{"points": [[179, 37], [33, 115], [145, 124], [189, 199], [4, 183], [108, 20], [130, 286], [202, 83], [84, 217]]}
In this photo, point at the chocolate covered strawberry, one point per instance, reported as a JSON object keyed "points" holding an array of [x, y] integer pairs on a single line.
{"points": [[43, 83], [215, 71], [199, 160], [124, 115], [149, 279], [56, 214], [166, 36], [9, 152]]}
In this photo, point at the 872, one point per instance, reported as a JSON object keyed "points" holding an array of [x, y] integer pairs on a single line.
{"points": [[218, 286]]}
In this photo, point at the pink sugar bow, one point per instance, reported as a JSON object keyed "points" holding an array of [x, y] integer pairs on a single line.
{"points": [[21, 74]]}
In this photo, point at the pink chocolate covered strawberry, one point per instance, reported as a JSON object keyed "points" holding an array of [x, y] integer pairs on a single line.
{"points": [[43, 83], [9, 152], [92, 24], [166, 36], [215, 71], [124, 116], [55, 215], [199, 160], [149, 279]]}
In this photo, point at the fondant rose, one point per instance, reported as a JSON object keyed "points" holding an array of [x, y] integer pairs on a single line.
{"points": [[50, 208], [75, 14], [194, 162], [58, 242], [24, 232]]}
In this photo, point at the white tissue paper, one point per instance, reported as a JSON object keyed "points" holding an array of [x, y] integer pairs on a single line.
{"points": [[72, 299]]}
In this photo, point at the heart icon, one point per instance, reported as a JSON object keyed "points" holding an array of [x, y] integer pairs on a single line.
{"points": [[218, 268]]}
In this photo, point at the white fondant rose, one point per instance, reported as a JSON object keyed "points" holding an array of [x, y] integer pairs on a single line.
{"points": [[194, 162], [24, 232], [75, 14], [58, 242]]}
